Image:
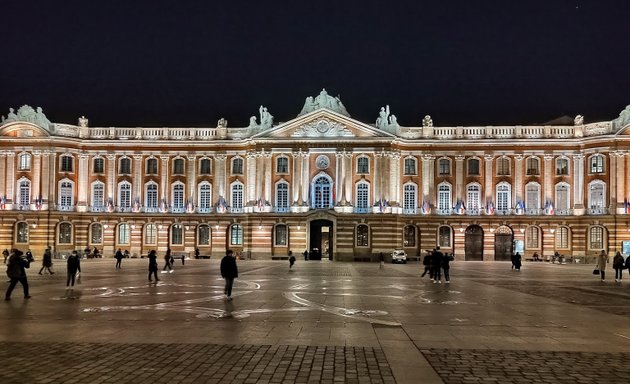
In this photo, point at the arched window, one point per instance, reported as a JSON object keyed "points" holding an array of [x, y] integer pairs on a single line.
{"points": [[236, 234], [124, 167], [473, 198], [205, 197], [362, 197], [203, 235], [24, 191], [410, 198], [532, 197], [562, 166], [596, 240], [282, 196], [151, 196], [282, 165], [237, 166], [504, 197], [22, 232], [177, 234], [65, 233], [409, 236], [205, 167], [321, 193], [363, 165], [150, 234], [444, 198], [124, 195], [473, 167], [410, 166], [177, 197], [237, 197], [532, 166], [503, 166], [152, 166], [25, 162], [66, 163], [178, 166], [123, 234], [280, 236], [96, 233], [562, 237], [596, 164], [562, 200], [532, 237], [444, 167], [445, 236], [596, 202], [65, 194], [98, 165], [98, 195], [362, 235]]}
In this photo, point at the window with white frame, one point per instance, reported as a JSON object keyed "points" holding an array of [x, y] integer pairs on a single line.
{"points": [[236, 234], [280, 237], [203, 235], [124, 167], [596, 195], [177, 197], [25, 193], [150, 234], [562, 238], [444, 167], [444, 197], [124, 195], [282, 165], [473, 167], [409, 196], [322, 193], [65, 194], [66, 163], [503, 166], [532, 237], [237, 196], [237, 166], [205, 196], [25, 162], [363, 165], [596, 237], [532, 196], [177, 234], [205, 167], [532, 166], [22, 232], [123, 234], [151, 195], [444, 236], [473, 196], [410, 166], [98, 165], [504, 196], [362, 235], [363, 192], [409, 236], [562, 197], [96, 233], [562, 166], [596, 164], [152, 166], [65, 233], [178, 166], [282, 196]]}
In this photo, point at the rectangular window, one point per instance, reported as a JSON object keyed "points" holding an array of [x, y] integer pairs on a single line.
{"points": [[280, 236], [444, 167], [99, 165], [597, 238], [363, 165], [473, 167], [176, 235], [531, 242], [532, 167], [205, 167], [152, 167], [362, 236], [236, 235], [562, 167], [204, 235], [282, 165], [503, 167], [562, 238], [444, 237], [410, 166], [66, 164], [150, 234]]}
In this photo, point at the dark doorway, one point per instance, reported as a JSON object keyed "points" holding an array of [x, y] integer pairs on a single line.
{"points": [[473, 247], [321, 240], [503, 244]]}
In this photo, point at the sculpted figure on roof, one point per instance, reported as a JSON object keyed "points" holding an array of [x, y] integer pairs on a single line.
{"points": [[323, 100], [623, 119]]}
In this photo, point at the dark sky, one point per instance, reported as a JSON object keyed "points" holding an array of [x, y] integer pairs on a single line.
{"points": [[179, 63]]}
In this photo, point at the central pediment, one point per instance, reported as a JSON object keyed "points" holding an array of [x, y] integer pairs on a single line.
{"points": [[322, 124]]}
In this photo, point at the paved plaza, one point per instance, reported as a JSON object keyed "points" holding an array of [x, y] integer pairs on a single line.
{"points": [[323, 322]]}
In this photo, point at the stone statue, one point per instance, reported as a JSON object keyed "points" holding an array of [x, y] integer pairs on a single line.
{"points": [[323, 100], [252, 122], [222, 123], [579, 120], [11, 116], [309, 106], [427, 121], [342, 108], [623, 119], [266, 119], [40, 118], [393, 120], [83, 122], [383, 117]]}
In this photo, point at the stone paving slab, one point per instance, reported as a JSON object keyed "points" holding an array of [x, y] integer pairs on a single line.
{"points": [[190, 363]]}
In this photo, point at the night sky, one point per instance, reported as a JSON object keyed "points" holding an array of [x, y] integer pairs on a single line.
{"points": [[179, 63]]}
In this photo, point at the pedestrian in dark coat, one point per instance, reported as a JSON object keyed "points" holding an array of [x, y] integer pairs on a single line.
{"points": [[118, 256], [305, 255], [516, 261], [168, 261], [47, 262], [153, 265], [628, 264], [229, 271], [16, 271], [291, 259], [427, 265], [446, 266], [602, 260], [436, 265], [5, 253], [74, 269], [618, 265]]}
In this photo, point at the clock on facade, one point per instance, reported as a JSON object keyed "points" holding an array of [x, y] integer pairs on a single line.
{"points": [[322, 162]]}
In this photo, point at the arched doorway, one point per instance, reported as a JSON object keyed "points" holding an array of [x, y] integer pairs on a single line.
{"points": [[503, 242], [473, 246], [321, 239]]}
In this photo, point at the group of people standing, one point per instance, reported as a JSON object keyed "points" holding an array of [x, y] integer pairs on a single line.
{"points": [[618, 264], [435, 262]]}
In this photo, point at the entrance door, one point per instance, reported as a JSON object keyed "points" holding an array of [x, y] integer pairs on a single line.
{"points": [[473, 247], [321, 240], [503, 244]]}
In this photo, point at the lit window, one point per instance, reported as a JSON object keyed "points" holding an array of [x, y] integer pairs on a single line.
{"points": [[362, 235], [203, 235], [65, 233], [282, 165], [236, 234], [280, 235]]}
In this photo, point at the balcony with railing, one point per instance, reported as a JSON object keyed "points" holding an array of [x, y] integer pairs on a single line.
{"points": [[178, 209], [65, 208], [235, 209], [410, 211], [503, 212], [473, 212], [205, 209], [597, 211], [281, 209], [533, 211], [444, 211]]}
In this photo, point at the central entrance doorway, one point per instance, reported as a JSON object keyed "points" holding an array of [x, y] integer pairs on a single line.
{"points": [[503, 243], [321, 240]]}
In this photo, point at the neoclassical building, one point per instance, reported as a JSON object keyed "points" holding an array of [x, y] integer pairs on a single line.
{"points": [[320, 181]]}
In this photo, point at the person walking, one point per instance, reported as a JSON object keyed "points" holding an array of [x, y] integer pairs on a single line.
{"points": [[47, 262], [74, 269], [118, 256], [618, 265], [427, 265], [196, 253], [153, 265], [16, 271], [381, 260], [602, 260], [291, 259], [229, 271], [183, 259], [5, 253], [436, 265], [516, 261], [446, 266], [627, 265], [305, 255], [168, 261]]}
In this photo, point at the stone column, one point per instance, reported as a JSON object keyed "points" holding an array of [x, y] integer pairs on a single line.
{"points": [[11, 182], [46, 171], [393, 186], [578, 181], [3, 173], [37, 174], [111, 179], [428, 179], [338, 177], [306, 170], [82, 188], [376, 187], [250, 191], [619, 177], [267, 180], [296, 178], [548, 180], [459, 178], [192, 179], [488, 177], [349, 179], [518, 179], [137, 179], [221, 172], [164, 185], [52, 177], [260, 175]]}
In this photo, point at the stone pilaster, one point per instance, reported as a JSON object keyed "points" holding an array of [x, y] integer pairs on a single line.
{"points": [[111, 178], [137, 180], [459, 178], [548, 179], [428, 178], [191, 180], [82, 188], [11, 182], [164, 184], [250, 190], [578, 182], [488, 178], [518, 179], [267, 177]]}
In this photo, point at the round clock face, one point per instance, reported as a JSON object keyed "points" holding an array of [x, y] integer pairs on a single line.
{"points": [[322, 162], [323, 126]]}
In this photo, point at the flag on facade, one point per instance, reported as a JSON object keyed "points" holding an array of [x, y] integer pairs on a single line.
{"points": [[334, 194], [425, 208], [626, 206], [190, 207], [489, 208], [519, 208], [549, 208], [221, 205], [39, 202], [459, 207], [3, 202], [163, 206], [259, 203]]}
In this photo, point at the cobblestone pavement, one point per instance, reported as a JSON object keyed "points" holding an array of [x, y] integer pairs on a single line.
{"points": [[456, 366], [190, 363]]}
